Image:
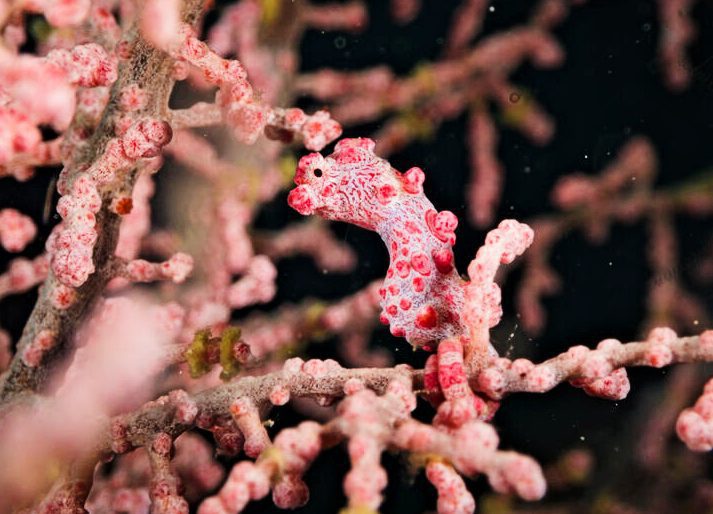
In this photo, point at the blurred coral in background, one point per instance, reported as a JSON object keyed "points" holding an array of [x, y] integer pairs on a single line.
{"points": [[197, 316]]}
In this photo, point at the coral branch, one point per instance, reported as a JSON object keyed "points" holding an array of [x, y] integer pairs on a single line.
{"points": [[326, 379], [16, 230], [59, 309]]}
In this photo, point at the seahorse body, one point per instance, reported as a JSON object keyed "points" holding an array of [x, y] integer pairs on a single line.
{"points": [[422, 294]]}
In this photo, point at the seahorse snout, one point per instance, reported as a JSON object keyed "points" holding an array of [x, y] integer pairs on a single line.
{"points": [[303, 200]]}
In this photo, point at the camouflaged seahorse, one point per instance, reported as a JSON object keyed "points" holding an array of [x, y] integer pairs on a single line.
{"points": [[422, 295]]}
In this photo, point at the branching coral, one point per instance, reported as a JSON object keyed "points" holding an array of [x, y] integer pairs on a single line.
{"points": [[143, 336]]}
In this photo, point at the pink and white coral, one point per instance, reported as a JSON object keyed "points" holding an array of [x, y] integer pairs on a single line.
{"points": [[16, 230], [101, 374]]}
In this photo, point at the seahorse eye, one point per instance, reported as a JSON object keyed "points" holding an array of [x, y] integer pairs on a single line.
{"points": [[317, 172]]}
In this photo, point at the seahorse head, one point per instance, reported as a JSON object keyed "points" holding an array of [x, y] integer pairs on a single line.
{"points": [[352, 185]]}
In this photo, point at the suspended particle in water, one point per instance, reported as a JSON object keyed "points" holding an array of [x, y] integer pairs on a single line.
{"points": [[48, 200]]}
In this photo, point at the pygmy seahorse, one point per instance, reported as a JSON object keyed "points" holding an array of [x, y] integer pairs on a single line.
{"points": [[422, 294]]}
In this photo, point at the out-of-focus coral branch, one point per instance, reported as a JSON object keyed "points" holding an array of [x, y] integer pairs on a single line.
{"points": [[351, 16], [461, 440], [95, 98], [23, 274], [622, 192], [677, 32], [60, 306], [16, 230], [599, 372], [313, 239]]}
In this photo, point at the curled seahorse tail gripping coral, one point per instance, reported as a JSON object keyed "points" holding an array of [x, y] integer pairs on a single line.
{"points": [[423, 298]]}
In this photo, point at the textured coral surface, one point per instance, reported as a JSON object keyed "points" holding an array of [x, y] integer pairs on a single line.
{"points": [[197, 314]]}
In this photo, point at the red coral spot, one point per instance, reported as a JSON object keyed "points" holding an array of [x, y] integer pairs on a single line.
{"points": [[413, 180], [443, 259], [295, 117], [442, 225], [329, 190], [421, 264], [427, 317], [123, 206], [385, 193], [398, 332], [412, 227], [403, 268]]}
